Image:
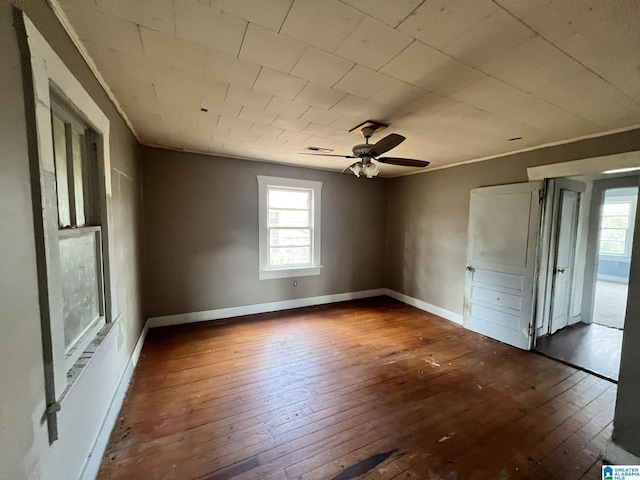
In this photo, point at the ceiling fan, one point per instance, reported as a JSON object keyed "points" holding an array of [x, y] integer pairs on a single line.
{"points": [[367, 152]]}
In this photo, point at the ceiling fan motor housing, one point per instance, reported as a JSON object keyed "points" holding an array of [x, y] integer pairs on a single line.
{"points": [[361, 149]]}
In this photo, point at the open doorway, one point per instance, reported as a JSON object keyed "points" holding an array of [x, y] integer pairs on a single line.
{"points": [[589, 230]]}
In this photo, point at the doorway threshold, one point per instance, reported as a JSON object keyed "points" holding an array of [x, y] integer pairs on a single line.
{"points": [[589, 347]]}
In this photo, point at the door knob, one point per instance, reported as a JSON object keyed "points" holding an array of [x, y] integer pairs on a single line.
{"points": [[470, 268], [560, 270]]}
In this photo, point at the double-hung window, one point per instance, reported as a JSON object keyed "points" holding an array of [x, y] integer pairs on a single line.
{"points": [[289, 230], [80, 231], [616, 226]]}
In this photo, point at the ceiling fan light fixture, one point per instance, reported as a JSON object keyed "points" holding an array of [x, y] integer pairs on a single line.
{"points": [[357, 168], [370, 170]]}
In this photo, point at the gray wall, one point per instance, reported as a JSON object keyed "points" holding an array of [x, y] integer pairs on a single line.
{"points": [[201, 225], [24, 448], [428, 215]]}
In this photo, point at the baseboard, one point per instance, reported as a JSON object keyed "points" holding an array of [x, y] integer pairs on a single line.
{"points": [[616, 455], [92, 465], [230, 312], [427, 307]]}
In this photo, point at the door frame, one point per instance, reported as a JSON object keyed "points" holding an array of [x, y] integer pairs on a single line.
{"points": [[591, 264], [548, 247]]}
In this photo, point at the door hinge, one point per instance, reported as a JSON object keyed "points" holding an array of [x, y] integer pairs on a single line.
{"points": [[541, 195]]}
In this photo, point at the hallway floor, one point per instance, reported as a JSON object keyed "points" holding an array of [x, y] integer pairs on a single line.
{"points": [[595, 348]]}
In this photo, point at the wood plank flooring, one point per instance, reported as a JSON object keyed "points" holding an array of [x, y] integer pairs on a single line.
{"points": [[369, 389]]}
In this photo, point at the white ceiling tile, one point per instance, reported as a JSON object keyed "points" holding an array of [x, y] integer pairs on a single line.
{"points": [[267, 140], [320, 130], [319, 96], [292, 136], [532, 65], [363, 82], [593, 99], [491, 95], [266, 13], [415, 63], [356, 106], [115, 33], [398, 94], [450, 78], [166, 49], [247, 97], [277, 83], [321, 67], [320, 116], [257, 116], [440, 22], [104, 57], [346, 122], [266, 48], [545, 116], [154, 14], [289, 124], [142, 89], [179, 98], [230, 69], [229, 110], [286, 108], [235, 124], [266, 130], [558, 19], [373, 44], [208, 26], [325, 24], [204, 86], [490, 37], [610, 48], [391, 13]]}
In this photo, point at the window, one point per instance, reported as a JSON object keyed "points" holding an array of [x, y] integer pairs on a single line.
{"points": [[616, 224], [80, 232], [289, 230], [73, 185]]}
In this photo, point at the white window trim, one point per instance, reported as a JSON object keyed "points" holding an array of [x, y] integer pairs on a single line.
{"points": [[633, 201], [264, 272], [49, 71]]}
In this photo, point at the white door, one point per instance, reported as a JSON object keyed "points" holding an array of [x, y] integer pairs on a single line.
{"points": [[501, 261], [565, 255]]}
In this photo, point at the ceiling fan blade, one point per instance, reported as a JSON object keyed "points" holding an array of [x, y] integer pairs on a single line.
{"points": [[404, 162], [326, 155], [386, 144]]}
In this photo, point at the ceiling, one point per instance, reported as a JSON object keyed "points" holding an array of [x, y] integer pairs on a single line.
{"points": [[264, 79]]}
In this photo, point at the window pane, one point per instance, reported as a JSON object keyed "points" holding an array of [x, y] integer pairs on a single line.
{"points": [[78, 184], [615, 234], [615, 222], [290, 256], [622, 209], [279, 198], [288, 218], [80, 285], [289, 237], [62, 181], [608, 246]]}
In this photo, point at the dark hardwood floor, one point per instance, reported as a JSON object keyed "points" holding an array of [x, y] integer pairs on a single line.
{"points": [[595, 348], [369, 389]]}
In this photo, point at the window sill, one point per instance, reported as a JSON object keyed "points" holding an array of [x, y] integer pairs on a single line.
{"points": [[289, 272]]}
